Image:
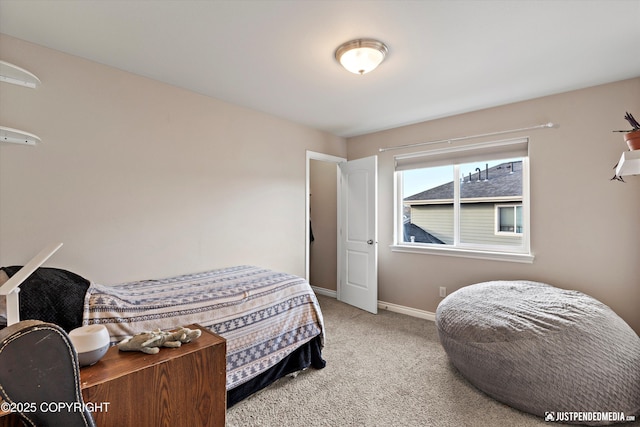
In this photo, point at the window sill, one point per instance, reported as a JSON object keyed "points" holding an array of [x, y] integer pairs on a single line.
{"points": [[466, 253]]}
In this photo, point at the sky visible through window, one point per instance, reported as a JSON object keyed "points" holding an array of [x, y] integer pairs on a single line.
{"points": [[415, 181]]}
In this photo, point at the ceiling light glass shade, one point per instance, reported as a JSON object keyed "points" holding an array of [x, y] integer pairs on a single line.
{"points": [[362, 55]]}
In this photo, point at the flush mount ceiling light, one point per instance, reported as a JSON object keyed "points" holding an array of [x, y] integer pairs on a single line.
{"points": [[362, 55]]}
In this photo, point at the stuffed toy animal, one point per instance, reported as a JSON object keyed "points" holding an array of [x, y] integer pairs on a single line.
{"points": [[150, 341]]}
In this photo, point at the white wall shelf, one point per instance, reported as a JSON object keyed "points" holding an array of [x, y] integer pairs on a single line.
{"points": [[13, 74], [629, 163], [17, 136]]}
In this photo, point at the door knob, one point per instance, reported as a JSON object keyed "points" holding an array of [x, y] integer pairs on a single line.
{"points": [[369, 242]]}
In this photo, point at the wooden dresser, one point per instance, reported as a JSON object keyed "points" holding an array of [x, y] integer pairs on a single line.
{"points": [[182, 386]]}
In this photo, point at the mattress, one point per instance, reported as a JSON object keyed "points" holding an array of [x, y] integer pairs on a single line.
{"points": [[263, 314]]}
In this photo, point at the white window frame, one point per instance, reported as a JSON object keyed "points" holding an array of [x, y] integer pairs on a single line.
{"points": [[520, 253]]}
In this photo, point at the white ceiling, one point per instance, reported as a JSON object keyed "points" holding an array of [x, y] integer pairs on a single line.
{"points": [[445, 57]]}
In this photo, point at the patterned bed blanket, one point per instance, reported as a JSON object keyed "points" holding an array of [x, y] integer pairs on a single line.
{"points": [[264, 315]]}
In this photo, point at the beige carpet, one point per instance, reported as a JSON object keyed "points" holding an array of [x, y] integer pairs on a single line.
{"points": [[382, 370]]}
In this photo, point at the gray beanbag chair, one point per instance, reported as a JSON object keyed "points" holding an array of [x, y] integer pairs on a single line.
{"points": [[543, 350]]}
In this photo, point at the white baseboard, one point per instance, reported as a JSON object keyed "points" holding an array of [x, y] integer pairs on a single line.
{"points": [[413, 312], [325, 292]]}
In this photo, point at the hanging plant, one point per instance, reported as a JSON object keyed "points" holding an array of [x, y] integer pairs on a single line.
{"points": [[631, 137]]}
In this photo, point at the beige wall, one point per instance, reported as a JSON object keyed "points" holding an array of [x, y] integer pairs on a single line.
{"points": [[323, 268], [140, 179], [585, 230]]}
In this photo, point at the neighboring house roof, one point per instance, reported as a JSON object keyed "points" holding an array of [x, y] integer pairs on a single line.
{"points": [[504, 180], [420, 234]]}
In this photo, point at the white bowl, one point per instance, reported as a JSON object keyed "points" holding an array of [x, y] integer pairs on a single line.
{"points": [[91, 343]]}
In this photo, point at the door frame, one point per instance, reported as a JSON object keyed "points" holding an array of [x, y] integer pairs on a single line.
{"points": [[312, 155]]}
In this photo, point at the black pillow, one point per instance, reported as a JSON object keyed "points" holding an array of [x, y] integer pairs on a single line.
{"points": [[52, 295]]}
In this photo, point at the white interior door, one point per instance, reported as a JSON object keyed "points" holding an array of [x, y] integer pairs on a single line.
{"points": [[358, 252]]}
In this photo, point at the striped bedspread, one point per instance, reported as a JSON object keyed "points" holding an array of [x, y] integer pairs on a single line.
{"points": [[264, 315]]}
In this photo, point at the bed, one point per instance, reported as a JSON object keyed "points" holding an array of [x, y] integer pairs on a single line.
{"points": [[271, 320]]}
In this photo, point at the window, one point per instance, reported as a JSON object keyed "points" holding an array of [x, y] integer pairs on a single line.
{"points": [[509, 219], [465, 201]]}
